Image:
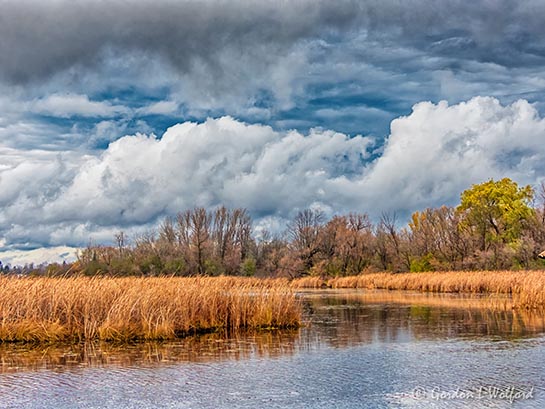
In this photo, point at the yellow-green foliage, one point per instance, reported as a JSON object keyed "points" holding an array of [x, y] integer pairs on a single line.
{"points": [[82, 308], [497, 209]]}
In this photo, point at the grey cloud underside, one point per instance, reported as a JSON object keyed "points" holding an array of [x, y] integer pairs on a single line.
{"points": [[39, 39]]}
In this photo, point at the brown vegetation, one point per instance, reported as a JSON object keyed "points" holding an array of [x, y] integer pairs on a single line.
{"points": [[497, 226], [527, 288], [83, 308], [436, 240]]}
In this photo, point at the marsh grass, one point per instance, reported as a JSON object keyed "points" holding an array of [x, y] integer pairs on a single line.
{"points": [[133, 308], [526, 288]]}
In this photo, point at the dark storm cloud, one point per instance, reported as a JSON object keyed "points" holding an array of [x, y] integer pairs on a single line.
{"points": [[505, 32], [38, 38]]}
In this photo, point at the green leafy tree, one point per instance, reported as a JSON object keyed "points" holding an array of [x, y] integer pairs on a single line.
{"points": [[248, 267], [496, 211]]}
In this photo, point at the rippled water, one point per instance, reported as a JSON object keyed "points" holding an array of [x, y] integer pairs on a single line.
{"points": [[358, 349]]}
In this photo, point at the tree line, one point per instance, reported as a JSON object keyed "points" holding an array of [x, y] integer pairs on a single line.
{"points": [[497, 225]]}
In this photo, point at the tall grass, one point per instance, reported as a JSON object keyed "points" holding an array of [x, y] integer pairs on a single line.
{"points": [[527, 288], [84, 308]]}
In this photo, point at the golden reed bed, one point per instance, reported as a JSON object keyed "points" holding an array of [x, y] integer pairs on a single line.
{"points": [[84, 308], [527, 288]]}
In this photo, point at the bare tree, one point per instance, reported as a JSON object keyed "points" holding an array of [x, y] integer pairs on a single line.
{"points": [[121, 242], [304, 233], [200, 226]]}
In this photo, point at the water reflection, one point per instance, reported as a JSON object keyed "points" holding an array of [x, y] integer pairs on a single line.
{"points": [[209, 347], [333, 318], [358, 350], [350, 317]]}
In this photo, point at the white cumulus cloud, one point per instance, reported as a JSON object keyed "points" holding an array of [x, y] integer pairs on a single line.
{"points": [[430, 157], [439, 150]]}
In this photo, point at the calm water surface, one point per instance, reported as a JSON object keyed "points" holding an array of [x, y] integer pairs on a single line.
{"points": [[358, 350]]}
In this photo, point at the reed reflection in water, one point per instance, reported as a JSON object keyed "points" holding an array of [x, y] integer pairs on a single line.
{"points": [[358, 349], [349, 317], [204, 348], [333, 318]]}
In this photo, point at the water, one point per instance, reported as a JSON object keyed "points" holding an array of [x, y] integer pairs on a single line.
{"points": [[358, 350]]}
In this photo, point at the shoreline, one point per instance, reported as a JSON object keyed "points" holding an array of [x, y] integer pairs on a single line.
{"points": [[527, 288], [134, 309]]}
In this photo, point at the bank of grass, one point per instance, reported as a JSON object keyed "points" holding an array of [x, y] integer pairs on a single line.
{"points": [[526, 288], [134, 308]]}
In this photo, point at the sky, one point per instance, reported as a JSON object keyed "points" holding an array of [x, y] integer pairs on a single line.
{"points": [[115, 114]]}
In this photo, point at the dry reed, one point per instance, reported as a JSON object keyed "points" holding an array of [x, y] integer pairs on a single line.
{"points": [[83, 308], [308, 282], [527, 288]]}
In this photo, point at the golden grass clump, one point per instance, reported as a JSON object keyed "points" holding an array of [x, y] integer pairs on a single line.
{"points": [[527, 288], [106, 308]]}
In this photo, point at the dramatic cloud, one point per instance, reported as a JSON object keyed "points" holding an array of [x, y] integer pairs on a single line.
{"points": [[302, 78], [42, 38], [141, 178], [285, 62], [440, 150], [428, 159]]}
